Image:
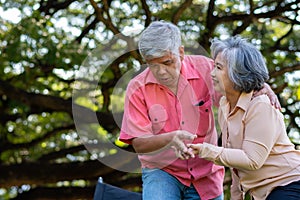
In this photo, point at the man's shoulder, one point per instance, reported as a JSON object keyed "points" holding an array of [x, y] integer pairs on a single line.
{"points": [[199, 62], [139, 79], [198, 58]]}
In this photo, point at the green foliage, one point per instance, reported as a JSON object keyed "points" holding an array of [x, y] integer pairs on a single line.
{"points": [[56, 55]]}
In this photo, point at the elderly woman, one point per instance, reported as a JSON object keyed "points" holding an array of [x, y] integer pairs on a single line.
{"points": [[256, 147]]}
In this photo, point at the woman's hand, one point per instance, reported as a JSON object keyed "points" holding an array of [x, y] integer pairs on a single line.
{"points": [[267, 90], [195, 148]]}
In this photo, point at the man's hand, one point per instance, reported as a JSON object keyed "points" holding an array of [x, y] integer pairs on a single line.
{"points": [[270, 93], [179, 145]]}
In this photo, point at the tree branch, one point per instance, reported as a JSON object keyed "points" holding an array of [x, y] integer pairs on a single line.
{"points": [[40, 173], [107, 21], [176, 16], [147, 12], [210, 25], [10, 146], [51, 7], [81, 114], [86, 30], [284, 70]]}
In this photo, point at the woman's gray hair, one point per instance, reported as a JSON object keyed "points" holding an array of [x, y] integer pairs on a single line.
{"points": [[158, 39], [246, 65]]}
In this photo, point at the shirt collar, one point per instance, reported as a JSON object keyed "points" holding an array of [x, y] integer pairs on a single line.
{"points": [[244, 100], [150, 77], [189, 71], [242, 103]]}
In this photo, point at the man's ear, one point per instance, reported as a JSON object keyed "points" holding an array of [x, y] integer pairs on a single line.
{"points": [[181, 52]]}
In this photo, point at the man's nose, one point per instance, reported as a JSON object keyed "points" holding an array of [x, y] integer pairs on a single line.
{"points": [[162, 69]]}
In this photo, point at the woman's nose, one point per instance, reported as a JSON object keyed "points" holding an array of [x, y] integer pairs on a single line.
{"points": [[212, 73]]}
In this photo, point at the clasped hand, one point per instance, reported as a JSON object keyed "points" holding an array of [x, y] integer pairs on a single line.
{"points": [[182, 151]]}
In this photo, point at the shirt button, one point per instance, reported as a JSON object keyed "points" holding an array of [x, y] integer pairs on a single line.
{"points": [[206, 110], [155, 119], [191, 169], [182, 122]]}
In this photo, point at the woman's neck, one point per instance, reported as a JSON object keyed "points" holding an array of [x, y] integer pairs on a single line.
{"points": [[233, 98]]}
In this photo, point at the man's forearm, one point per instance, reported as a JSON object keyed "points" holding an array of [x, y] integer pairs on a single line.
{"points": [[152, 143]]}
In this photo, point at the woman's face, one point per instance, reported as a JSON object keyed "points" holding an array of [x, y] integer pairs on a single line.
{"points": [[221, 81]]}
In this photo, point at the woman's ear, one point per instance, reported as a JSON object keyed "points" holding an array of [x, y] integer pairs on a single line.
{"points": [[181, 52]]}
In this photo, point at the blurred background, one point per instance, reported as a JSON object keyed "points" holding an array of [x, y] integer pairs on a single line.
{"points": [[63, 76]]}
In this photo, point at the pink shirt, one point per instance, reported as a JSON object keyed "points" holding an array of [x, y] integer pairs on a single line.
{"points": [[257, 146], [151, 108]]}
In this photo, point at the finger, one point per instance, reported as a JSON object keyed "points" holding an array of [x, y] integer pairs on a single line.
{"points": [[260, 92], [185, 155], [187, 135], [192, 150], [191, 153], [278, 106], [174, 148], [180, 145], [178, 153], [193, 146], [275, 102], [181, 155]]}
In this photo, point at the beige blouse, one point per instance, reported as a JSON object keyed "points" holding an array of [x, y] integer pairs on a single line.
{"points": [[257, 148]]}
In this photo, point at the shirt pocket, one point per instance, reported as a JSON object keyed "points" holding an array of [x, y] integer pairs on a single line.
{"points": [[206, 118], [158, 116]]}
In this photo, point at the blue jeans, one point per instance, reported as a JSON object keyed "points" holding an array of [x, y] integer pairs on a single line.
{"points": [[160, 185], [287, 192]]}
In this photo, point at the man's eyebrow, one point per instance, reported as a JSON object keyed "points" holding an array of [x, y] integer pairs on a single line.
{"points": [[168, 60]]}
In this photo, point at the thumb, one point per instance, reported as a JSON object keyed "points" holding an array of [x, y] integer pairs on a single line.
{"points": [[192, 146], [188, 135]]}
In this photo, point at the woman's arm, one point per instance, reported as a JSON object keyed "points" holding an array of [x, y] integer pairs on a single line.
{"points": [[260, 136], [250, 157]]}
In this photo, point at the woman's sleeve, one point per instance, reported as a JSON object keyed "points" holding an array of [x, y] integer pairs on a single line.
{"points": [[236, 192], [260, 136]]}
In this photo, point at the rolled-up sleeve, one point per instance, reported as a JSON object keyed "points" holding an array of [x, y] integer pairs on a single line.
{"points": [[135, 122]]}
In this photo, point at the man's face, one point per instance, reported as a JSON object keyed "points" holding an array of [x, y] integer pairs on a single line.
{"points": [[166, 69]]}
